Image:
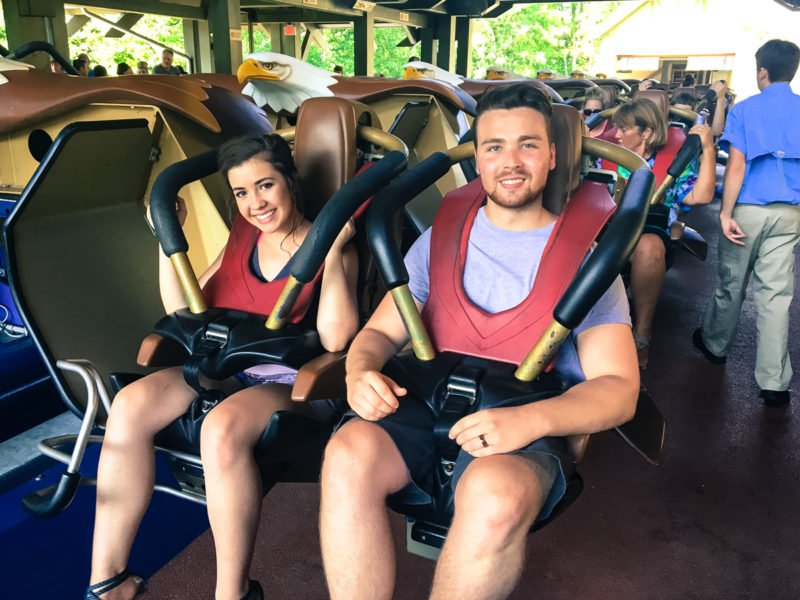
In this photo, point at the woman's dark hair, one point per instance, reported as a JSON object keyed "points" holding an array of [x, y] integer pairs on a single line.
{"points": [[271, 148], [123, 68], [688, 81], [100, 71], [516, 95], [683, 98], [780, 58]]}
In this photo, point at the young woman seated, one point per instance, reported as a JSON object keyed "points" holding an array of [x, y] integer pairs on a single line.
{"points": [[642, 129], [264, 184]]}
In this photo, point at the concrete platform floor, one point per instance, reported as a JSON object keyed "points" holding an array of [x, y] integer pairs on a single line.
{"points": [[717, 519]]}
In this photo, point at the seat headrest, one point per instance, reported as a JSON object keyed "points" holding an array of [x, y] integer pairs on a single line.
{"points": [[325, 147], [684, 90], [567, 129], [658, 97], [610, 94]]}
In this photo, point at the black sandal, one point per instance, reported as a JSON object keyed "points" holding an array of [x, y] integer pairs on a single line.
{"points": [[93, 592], [254, 592]]}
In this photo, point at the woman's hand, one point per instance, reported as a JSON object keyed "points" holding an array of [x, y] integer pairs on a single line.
{"points": [[705, 135], [345, 235], [720, 88]]}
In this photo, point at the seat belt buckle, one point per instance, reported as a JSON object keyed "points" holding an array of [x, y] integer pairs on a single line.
{"points": [[217, 334]]}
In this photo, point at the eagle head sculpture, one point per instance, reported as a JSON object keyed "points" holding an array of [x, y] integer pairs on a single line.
{"points": [[419, 69], [282, 82]]}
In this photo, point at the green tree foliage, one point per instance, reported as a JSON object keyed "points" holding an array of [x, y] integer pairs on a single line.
{"points": [[555, 36], [338, 50], [261, 41], [3, 38]]}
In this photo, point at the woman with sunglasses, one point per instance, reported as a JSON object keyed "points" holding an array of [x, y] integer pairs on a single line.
{"points": [[593, 103]]}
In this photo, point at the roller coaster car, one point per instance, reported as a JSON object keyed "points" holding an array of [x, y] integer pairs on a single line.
{"points": [[670, 162], [454, 374], [184, 116], [88, 289], [570, 88]]}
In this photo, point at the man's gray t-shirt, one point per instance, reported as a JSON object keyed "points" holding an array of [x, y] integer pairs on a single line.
{"points": [[499, 273]]}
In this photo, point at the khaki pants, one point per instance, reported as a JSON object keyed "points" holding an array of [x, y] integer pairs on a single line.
{"points": [[768, 254]]}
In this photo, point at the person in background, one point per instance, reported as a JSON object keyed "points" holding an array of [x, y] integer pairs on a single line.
{"points": [[760, 221], [166, 67], [645, 84], [593, 103], [338, 69], [642, 129], [688, 80], [85, 57], [142, 68], [124, 69], [81, 67], [99, 71], [55, 67]]}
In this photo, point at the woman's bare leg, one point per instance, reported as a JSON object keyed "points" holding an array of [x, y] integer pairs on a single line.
{"points": [[233, 484], [126, 471]]}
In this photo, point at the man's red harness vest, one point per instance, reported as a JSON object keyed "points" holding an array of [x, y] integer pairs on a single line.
{"points": [[456, 324], [234, 285]]}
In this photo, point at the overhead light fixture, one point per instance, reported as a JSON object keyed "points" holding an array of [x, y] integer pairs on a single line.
{"points": [[363, 5]]}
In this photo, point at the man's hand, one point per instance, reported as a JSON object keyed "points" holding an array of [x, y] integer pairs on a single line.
{"points": [[731, 229], [494, 431], [373, 395]]}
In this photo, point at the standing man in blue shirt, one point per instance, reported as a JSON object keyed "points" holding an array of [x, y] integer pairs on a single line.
{"points": [[760, 219]]}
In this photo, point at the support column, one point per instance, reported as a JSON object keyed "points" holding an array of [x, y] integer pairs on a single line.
{"points": [[292, 44], [463, 46], [275, 39], [445, 35], [427, 53], [42, 20], [225, 23], [197, 41], [364, 46]]}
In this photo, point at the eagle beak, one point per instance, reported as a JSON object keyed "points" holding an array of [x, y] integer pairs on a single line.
{"points": [[251, 69], [412, 73]]}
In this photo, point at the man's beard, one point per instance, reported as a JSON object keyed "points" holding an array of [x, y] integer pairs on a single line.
{"points": [[512, 201]]}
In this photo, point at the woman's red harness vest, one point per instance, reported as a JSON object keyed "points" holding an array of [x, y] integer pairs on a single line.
{"points": [[456, 324], [234, 286], [664, 157]]}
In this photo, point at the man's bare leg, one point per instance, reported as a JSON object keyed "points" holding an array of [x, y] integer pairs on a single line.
{"points": [[497, 500], [362, 467]]}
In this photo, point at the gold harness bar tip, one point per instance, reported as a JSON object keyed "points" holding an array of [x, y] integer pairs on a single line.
{"points": [[285, 303], [662, 189], [542, 352], [420, 341], [188, 280]]}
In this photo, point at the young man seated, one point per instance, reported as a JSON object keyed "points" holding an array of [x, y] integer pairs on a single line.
{"points": [[512, 464]]}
